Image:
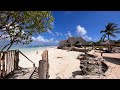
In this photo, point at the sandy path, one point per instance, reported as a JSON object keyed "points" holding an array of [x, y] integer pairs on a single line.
{"points": [[59, 67]]}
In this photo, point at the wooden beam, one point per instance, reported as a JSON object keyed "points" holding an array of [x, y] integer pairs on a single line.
{"points": [[3, 60], [45, 57], [17, 59], [42, 69], [28, 58], [0, 65]]}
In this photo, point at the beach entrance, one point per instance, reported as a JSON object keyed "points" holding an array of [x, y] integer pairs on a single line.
{"points": [[9, 66]]}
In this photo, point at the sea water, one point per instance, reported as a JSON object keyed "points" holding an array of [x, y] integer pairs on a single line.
{"points": [[30, 49]]}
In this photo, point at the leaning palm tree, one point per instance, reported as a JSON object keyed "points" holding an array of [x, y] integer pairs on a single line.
{"points": [[103, 38], [110, 30]]}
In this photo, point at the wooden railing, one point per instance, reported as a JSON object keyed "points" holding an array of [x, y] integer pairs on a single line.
{"points": [[8, 62], [43, 69], [27, 58]]}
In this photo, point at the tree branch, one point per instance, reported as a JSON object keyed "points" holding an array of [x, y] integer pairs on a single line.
{"points": [[5, 46]]}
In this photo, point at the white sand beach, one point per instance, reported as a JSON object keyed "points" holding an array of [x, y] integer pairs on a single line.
{"points": [[62, 67], [63, 63]]}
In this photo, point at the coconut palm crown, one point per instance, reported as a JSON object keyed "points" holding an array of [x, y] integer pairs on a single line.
{"points": [[110, 30]]}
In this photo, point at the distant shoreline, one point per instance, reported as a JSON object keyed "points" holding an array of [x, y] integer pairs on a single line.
{"points": [[34, 47]]}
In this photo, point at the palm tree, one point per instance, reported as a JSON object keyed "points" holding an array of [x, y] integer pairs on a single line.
{"points": [[103, 38], [110, 30]]}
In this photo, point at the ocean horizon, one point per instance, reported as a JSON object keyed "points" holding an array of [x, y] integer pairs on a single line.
{"points": [[31, 48]]}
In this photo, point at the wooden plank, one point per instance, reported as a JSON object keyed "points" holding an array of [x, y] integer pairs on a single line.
{"points": [[3, 58], [9, 60], [7, 63], [12, 60], [42, 69], [0, 65], [45, 57], [17, 59], [27, 58]]}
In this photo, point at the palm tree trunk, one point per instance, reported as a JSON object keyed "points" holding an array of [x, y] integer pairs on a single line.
{"points": [[109, 49], [108, 37]]}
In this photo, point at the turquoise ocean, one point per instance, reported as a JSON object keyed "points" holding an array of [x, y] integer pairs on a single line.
{"points": [[30, 49]]}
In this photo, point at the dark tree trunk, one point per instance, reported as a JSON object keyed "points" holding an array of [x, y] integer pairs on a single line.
{"points": [[108, 37], [5, 47], [109, 48], [10, 46]]}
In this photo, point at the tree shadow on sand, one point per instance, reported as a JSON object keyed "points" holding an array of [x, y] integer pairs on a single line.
{"points": [[20, 72]]}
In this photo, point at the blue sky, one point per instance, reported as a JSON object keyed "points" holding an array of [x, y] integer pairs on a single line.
{"points": [[86, 24], [81, 23]]}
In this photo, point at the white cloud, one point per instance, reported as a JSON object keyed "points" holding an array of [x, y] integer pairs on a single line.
{"points": [[81, 30], [41, 39], [56, 41], [57, 33], [69, 34], [87, 38], [50, 32], [66, 35], [61, 34]]}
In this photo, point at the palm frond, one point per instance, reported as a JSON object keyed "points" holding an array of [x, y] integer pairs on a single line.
{"points": [[113, 35], [117, 32], [110, 30], [102, 31]]}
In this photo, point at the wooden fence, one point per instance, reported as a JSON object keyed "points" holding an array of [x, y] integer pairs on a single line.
{"points": [[8, 62], [43, 69]]}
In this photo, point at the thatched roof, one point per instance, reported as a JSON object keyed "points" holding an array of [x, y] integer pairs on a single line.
{"points": [[80, 40], [62, 42]]}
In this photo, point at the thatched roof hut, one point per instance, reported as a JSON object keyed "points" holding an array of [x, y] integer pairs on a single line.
{"points": [[63, 42], [77, 40]]}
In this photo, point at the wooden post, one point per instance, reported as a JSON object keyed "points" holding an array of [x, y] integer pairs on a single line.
{"points": [[45, 57], [101, 53], [0, 65], [3, 64], [16, 59], [42, 69]]}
